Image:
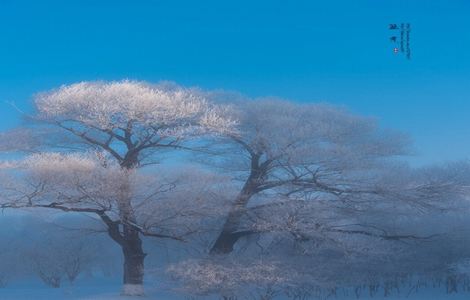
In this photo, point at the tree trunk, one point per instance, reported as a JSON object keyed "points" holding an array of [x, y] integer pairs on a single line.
{"points": [[225, 241], [134, 256], [131, 244], [229, 236]]}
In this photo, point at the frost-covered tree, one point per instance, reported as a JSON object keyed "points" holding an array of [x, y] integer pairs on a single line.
{"points": [[338, 264], [411, 234], [126, 124], [314, 184], [51, 259], [53, 246], [284, 151]]}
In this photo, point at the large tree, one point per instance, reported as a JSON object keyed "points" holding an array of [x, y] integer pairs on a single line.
{"points": [[284, 151], [387, 242], [126, 124]]}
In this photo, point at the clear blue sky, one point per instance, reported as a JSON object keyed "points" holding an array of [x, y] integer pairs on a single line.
{"points": [[336, 51]]}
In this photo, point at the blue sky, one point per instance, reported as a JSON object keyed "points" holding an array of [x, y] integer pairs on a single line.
{"points": [[336, 51]]}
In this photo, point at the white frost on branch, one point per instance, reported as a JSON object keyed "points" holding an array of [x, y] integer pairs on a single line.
{"points": [[112, 105]]}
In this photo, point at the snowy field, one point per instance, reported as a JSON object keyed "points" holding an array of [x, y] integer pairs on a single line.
{"points": [[107, 289], [103, 289]]}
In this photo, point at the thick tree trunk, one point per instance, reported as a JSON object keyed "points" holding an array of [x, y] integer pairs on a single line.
{"points": [[226, 239], [134, 256], [131, 244], [229, 235]]}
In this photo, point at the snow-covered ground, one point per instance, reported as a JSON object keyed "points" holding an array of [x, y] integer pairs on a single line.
{"points": [[103, 289], [430, 294], [108, 289]]}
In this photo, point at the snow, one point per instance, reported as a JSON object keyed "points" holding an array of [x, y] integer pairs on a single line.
{"points": [[83, 289], [133, 290], [108, 289]]}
